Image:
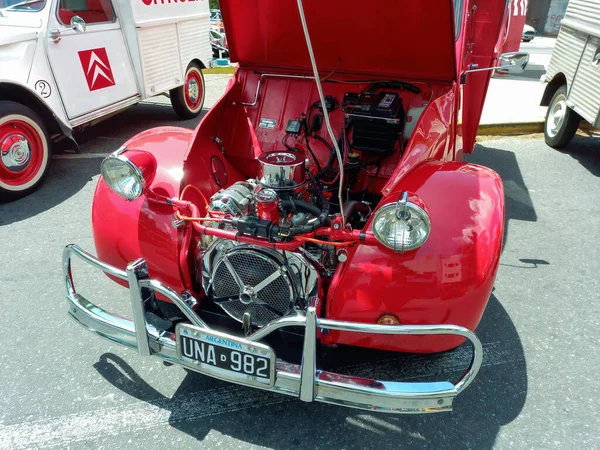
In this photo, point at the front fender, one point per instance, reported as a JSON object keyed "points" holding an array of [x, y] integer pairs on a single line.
{"points": [[124, 231], [448, 280]]}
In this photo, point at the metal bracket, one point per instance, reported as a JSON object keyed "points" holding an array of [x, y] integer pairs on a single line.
{"points": [[309, 353], [137, 271]]}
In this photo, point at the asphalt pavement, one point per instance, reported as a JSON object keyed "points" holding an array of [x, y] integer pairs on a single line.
{"points": [[62, 387]]}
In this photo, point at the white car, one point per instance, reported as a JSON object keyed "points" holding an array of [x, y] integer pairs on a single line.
{"points": [[67, 64], [528, 33]]}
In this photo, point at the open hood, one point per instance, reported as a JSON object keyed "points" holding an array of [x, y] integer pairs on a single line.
{"points": [[399, 39]]}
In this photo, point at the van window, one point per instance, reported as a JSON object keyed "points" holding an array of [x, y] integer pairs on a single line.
{"points": [[31, 5], [91, 11]]}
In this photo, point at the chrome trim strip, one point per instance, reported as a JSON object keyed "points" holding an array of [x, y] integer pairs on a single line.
{"points": [[89, 117], [304, 381]]}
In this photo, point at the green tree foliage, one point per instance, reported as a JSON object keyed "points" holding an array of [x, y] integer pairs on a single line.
{"points": [[214, 4]]}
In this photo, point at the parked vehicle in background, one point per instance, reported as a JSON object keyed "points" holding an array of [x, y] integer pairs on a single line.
{"points": [[216, 20], [218, 41], [573, 75], [528, 33], [67, 64], [323, 201]]}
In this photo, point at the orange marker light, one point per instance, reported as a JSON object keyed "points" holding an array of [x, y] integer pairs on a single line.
{"points": [[388, 319]]}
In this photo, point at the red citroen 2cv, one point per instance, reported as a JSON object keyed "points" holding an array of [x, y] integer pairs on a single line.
{"points": [[325, 192]]}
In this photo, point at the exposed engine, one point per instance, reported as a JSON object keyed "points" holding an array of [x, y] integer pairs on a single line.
{"points": [[288, 202], [253, 284]]}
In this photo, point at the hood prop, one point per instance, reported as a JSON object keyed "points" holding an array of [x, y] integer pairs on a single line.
{"points": [[325, 112]]}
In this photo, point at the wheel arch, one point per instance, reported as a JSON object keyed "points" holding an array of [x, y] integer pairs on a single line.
{"points": [[20, 94], [557, 81], [199, 62]]}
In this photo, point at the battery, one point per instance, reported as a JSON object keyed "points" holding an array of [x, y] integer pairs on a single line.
{"points": [[377, 120]]}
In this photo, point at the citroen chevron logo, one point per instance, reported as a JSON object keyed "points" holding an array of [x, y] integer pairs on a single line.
{"points": [[96, 68]]}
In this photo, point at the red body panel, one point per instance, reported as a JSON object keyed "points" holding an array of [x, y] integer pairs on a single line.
{"points": [[450, 277], [390, 38], [447, 280], [125, 231]]}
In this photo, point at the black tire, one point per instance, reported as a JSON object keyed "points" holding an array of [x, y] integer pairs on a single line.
{"points": [[25, 151], [186, 105], [561, 121]]}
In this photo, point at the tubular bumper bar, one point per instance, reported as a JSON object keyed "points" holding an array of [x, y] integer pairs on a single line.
{"points": [[304, 381]]}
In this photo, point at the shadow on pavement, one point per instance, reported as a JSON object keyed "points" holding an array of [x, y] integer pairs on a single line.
{"points": [[518, 203], [586, 150], [202, 404], [132, 121], [65, 179]]}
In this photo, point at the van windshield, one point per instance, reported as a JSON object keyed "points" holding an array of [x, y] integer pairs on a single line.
{"points": [[22, 5]]}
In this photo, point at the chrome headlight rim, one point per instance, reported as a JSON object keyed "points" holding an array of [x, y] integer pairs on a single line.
{"points": [[392, 207], [137, 173]]}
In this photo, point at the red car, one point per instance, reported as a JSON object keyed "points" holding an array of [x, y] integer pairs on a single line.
{"points": [[324, 196]]}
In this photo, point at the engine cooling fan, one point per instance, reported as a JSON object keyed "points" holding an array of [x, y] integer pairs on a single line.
{"points": [[247, 279]]}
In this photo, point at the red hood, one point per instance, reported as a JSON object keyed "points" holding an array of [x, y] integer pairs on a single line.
{"points": [[410, 39]]}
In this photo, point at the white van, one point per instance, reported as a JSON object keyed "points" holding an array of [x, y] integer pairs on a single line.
{"points": [[66, 64], [573, 76]]}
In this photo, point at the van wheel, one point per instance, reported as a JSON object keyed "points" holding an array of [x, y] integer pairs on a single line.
{"points": [[24, 151], [561, 121], [187, 100]]}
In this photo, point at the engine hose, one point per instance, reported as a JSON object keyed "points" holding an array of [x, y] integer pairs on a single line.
{"points": [[354, 206], [322, 217], [302, 205]]}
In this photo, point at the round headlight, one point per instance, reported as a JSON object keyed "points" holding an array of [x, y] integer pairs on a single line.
{"points": [[123, 176], [401, 226]]}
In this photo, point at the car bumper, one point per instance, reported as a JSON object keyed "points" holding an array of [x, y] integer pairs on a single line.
{"points": [[304, 381]]}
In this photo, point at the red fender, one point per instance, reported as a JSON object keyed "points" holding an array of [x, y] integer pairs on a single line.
{"points": [[143, 228], [124, 231], [448, 280]]}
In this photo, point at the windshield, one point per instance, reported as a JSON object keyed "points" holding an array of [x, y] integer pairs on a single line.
{"points": [[22, 5]]}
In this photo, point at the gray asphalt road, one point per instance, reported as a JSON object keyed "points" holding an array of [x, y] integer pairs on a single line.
{"points": [[64, 388]]}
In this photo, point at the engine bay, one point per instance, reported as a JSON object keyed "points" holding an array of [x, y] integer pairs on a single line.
{"points": [[285, 229]]}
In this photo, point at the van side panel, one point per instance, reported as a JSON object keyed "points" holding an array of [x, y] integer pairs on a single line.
{"points": [[584, 95], [566, 54], [190, 33], [587, 15]]}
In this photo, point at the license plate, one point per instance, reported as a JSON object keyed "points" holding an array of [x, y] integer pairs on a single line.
{"points": [[223, 356]]}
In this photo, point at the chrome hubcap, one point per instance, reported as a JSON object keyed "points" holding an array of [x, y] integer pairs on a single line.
{"points": [[193, 90], [556, 117], [15, 152]]}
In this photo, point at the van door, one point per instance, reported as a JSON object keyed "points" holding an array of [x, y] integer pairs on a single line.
{"points": [[584, 92], [90, 62]]}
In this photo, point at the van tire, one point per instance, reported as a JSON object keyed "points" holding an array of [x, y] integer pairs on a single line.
{"points": [[188, 100], [29, 163], [561, 121]]}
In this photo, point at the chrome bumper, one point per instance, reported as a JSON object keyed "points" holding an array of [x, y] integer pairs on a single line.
{"points": [[304, 381]]}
